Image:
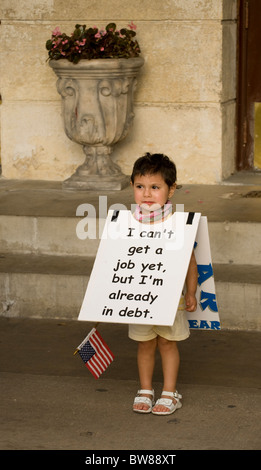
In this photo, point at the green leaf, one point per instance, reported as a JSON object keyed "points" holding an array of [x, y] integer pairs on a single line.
{"points": [[49, 44], [111, 27]]}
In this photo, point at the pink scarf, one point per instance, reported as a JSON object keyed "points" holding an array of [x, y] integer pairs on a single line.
{"points": [[153, 216]]}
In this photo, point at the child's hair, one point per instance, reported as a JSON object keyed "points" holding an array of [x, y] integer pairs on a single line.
{"points": [[155, 163]]}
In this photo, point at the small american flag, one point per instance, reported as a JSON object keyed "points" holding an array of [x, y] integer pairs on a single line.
{"points": [[95, 353]]}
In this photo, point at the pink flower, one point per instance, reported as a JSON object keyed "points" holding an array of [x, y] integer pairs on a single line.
{"points": [[102, 49], [132, 26], [57, 41], [81, 43], [56, 31]]}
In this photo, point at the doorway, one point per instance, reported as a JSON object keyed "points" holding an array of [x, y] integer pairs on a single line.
{"points": [[249, 85]]}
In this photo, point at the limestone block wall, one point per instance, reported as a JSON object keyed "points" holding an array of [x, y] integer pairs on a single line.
{"points": [[184, 103]]}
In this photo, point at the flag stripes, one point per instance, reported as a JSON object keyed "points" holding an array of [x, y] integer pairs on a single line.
{"points": [[95, 353]]}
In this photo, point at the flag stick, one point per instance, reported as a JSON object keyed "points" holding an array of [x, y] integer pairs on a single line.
{"points": [[77, 349]]}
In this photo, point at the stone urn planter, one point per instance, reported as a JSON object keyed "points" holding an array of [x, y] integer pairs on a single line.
{"points": [[97, 108]]}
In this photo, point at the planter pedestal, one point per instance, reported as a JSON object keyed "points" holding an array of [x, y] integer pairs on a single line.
{"points": [[97, 183], [97, 172], [97, 108]]}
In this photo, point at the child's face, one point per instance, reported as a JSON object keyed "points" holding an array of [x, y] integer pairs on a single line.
{"points": [[151, 192]]}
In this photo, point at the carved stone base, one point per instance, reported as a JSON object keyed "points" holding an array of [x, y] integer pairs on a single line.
{"points": [[97, 182], [97, 108]]}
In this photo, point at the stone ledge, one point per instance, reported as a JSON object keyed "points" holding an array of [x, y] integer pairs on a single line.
{"points": [[82, 266], [45, 264], [219, 202]]}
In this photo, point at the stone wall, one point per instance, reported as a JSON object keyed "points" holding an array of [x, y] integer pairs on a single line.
{"points": [[184, 103]]}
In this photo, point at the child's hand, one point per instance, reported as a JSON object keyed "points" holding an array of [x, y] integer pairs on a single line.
{"points": [[190, 302]]}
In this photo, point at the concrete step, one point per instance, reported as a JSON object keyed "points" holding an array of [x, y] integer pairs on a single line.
{"points": [[45, 266], [231, 242], [47, 286], [238, 291], [40, 218], [42, 286]]}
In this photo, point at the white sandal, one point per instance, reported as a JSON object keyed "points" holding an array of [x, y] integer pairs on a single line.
{"points": [[145, 400], [168, 403]]}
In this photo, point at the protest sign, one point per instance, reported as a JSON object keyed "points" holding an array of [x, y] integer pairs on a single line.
{"points": [[206, 316], [139, 271]]}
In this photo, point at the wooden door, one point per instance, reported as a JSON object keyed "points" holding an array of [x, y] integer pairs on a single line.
{"points": [[249, 85]]}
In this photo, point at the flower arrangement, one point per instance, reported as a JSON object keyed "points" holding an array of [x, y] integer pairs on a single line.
{"points": [[93, 43]]}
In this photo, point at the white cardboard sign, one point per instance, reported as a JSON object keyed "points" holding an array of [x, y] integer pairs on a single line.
{"points": [[206, 316], [140, 269]]}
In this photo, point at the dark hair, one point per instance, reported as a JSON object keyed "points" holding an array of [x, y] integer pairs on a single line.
{"points": [[155, 163]]}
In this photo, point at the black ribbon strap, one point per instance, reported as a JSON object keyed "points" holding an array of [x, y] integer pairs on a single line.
{"points": [[115, 216], [190, 218]]}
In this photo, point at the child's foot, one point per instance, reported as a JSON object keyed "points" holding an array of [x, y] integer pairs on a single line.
{"points": [[167, 404], [143, 401]]}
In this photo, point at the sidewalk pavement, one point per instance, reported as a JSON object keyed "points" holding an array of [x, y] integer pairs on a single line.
{"points": [[50, 400]]}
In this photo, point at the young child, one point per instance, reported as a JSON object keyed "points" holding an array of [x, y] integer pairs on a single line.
{"points": [[154, 182]]}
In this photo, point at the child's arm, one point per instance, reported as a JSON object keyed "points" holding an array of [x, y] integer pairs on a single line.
{"points": [[191, 284]]}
